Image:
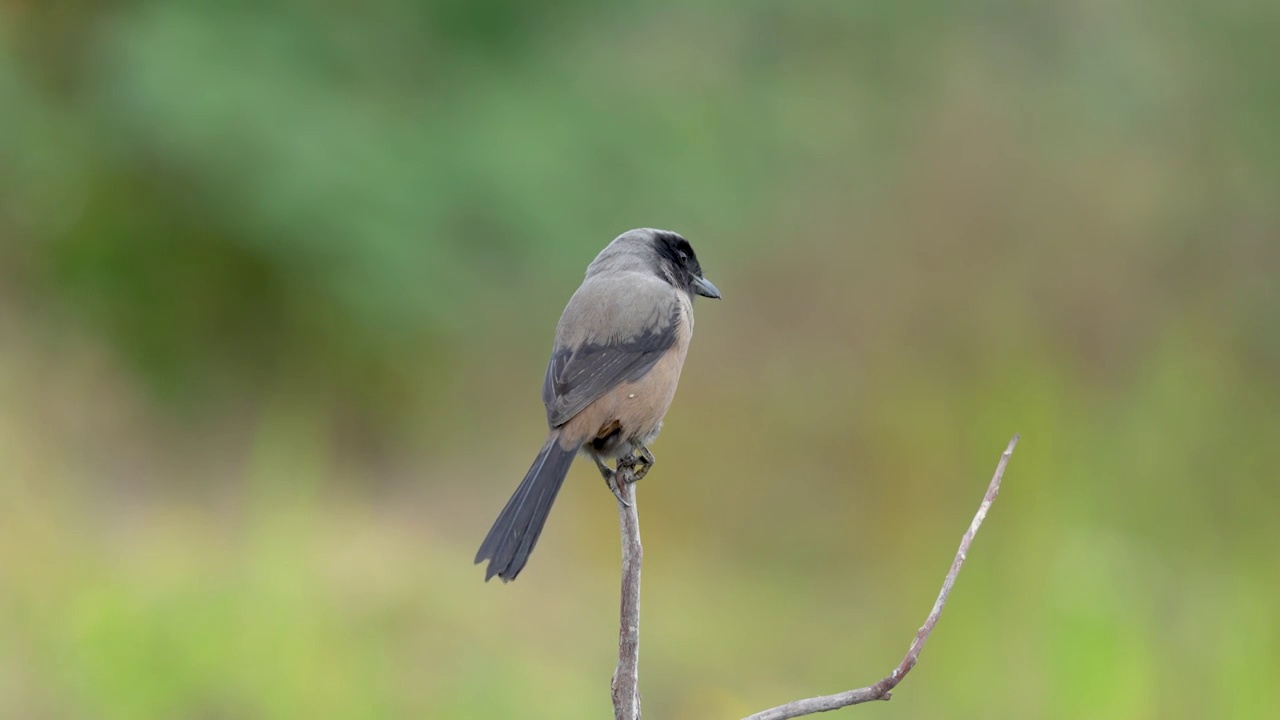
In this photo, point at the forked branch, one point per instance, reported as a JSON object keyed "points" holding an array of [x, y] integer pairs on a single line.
{"points": [[625, 685]]}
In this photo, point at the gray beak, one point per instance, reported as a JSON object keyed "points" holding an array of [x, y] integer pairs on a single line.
{"points": [[703, 287]]}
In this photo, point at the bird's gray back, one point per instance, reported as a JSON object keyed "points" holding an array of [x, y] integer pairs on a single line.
{"points": [[616, 307], [615, 327]]}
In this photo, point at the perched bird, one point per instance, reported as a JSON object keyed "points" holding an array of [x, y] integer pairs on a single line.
{"points": [[619, 348]]}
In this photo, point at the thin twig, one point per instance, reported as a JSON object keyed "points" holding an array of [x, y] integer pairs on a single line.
{"points": [[626, 678], [883, 690]]}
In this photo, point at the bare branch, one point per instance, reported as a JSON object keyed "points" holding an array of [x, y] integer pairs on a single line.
{"points": [[626, 678], [883, 690]]}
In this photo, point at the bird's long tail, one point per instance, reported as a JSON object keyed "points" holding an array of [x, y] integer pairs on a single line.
{"points": [[516, 531]]}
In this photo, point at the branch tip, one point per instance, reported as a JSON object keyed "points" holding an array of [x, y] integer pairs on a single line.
{"points": [[883, 690]]}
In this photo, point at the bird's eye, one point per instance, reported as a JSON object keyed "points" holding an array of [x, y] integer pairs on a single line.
{"points": [[684, 256]]}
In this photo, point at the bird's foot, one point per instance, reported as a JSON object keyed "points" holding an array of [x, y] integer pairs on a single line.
{"points": [[646, 455], [638, 466], [611, 480], [616, 489]]}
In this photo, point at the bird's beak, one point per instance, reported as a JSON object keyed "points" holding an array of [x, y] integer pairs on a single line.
{"points": [[703, 287]]}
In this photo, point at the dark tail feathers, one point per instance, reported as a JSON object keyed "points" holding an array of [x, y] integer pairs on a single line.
{"points": [[516, 531]]}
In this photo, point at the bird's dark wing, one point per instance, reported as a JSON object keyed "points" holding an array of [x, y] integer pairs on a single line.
{"points": [[577, 376]]}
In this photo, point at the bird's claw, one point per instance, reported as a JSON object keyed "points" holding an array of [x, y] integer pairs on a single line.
{"points": [[611, 481], [635, 469], [639, 466], [614, 487], [639, 470]]}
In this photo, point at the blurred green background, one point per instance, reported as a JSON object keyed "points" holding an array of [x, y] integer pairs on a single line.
{"points": [[278, 281]]}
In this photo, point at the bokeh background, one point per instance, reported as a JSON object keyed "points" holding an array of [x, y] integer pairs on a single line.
{"points": [[277, 286]]}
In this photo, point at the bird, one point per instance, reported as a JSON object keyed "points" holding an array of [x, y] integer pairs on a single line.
{"points": [[619, 348]]}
